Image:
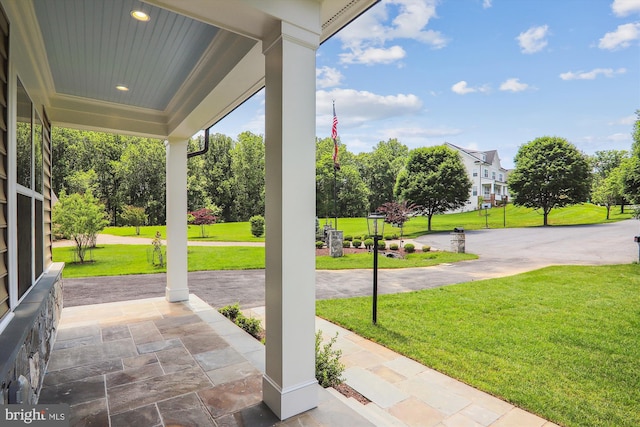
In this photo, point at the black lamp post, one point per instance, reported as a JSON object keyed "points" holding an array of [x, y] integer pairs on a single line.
{"points": [[375, 225]]}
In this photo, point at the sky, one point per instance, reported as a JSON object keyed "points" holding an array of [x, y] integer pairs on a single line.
{"points": [[480, 74]]}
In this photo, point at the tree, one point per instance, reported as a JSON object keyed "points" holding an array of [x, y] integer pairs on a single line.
{"points": [[380, 168], [81, 217], [550, 173], [631, 166], [134, 216], [397, 213], [247, 168], [216, 170], [435, 178], [202, 217]]}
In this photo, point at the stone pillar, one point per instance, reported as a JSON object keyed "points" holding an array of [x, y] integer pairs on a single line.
{"points": [[177, 288], [289, 384], [458, 242], [335, 243]]}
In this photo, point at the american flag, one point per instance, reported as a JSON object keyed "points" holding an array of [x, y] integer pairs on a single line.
{"points": [[334, 136]]}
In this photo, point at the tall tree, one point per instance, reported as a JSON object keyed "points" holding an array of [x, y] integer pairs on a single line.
{"points": [[631, 166], [247, 167], [142, 171], [380, 170], [435, 178], [217, 172], [550, 172]]}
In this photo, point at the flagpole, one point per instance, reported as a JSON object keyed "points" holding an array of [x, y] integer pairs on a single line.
{"points": [[336, 165]]}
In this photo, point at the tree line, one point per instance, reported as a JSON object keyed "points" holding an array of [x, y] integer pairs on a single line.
{"points": [[124, 172]]}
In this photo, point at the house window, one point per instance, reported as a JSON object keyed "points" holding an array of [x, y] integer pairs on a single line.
{"points": [[475, 191], [486, 173], [475, 172], [29, 177], [493, 175], [500, 177]]}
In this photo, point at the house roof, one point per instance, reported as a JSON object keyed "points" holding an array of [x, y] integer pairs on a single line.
{"points": [[191, 64]]}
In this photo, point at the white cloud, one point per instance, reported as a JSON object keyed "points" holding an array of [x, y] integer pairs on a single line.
{"points": [[366, 38], [416, 132], [625, 7], [617, 137], [357, 108], [591, 75], [486, 4], [373, 55], [463, 88], [621, 37], [534, 39], [514, 85], [328, 77], [628, 120]]}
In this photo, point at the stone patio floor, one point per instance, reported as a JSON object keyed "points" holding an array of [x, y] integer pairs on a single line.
{"points": [[152, 363]]}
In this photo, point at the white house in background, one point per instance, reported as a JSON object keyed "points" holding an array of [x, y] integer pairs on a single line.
{"points": [[488, 177]]}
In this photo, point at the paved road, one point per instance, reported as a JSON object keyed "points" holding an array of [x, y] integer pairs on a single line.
{"points": [[502, 252]]}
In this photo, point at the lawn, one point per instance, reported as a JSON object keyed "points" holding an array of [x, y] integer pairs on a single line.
{"points": [[562, 342], [116, 260], [513, 217]]}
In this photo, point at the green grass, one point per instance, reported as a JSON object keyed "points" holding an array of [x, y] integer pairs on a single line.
{"points": [[116, 260], [562, 342], [515, 217]]}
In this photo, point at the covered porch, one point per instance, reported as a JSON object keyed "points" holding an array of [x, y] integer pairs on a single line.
{"points": [[169, 69]]}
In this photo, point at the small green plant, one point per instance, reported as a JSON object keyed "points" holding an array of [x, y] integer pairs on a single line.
{"points": [[356, 243], [250, 325], [257, 225], [368, 243], [319, 244], [157, 250], [381, 244], [346, 244], [410, 248], [329, 369], [426, 248], [388, 237], [393, 246], [357, 238], [348, 238]]}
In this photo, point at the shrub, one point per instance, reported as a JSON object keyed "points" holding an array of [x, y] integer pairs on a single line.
{"points": [[346, 244], [409, 248], [368, 243], [250, 325], [356, 243], [328, 367], [395, 237], [393, 246], [388, 237], [381, 244], [426, 248], [257, 225], [348, 238], [133, 215], [357, 238], [319, 244]]}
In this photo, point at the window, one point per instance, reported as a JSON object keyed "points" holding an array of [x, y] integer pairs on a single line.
{"points": [[475, 191], [29, 177], [493, 175], [500, 177], [475, 172], [486, 173]]}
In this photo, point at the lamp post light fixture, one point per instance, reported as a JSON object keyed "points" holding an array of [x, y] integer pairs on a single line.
{"points": [[375, 225]]}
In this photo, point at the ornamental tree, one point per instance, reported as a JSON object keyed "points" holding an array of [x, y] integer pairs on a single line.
{"points": [[435, 178], [80, 217], [202, 217], [550, 173], [134, 216], [397, 213]]}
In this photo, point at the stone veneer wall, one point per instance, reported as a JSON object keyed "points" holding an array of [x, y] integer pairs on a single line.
{"points": [[27, 341]]}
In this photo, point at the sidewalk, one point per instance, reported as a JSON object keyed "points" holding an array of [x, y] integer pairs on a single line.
{"points": [[406, 393]]}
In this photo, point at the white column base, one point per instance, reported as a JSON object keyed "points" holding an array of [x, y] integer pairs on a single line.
{"points": [[176, 295], [291, 401]]}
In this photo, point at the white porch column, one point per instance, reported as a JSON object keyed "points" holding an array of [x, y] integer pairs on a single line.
{"points": [[289, 384], [177, 289]]}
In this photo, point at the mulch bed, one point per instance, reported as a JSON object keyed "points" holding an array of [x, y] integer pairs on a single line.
{"points": [[348, 392], [347, 251]]}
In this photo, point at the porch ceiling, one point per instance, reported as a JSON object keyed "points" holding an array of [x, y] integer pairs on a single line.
{"points": [[192, 63]]}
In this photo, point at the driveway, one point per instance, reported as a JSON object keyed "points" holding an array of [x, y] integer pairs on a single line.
{"points": [[502, 252]]}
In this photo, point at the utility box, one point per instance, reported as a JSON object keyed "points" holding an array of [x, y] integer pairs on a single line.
{"points": [[458, 240], [636, 239]]}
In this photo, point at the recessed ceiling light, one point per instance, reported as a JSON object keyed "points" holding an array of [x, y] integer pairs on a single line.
{"points": [[140, 15], [122, 88]]}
